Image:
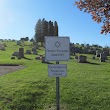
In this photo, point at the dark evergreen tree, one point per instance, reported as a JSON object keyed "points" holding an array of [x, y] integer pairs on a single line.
{"points": [[50, 28], [44, 28], [38, 31], [55, 29]]}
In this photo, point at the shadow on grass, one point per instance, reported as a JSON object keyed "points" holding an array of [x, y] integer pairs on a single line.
{"points": [[9, 65], [89, 63], [93, 63], [47, 63], [27, 58]]}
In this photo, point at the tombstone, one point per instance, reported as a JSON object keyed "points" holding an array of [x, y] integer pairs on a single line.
{"points": [[4, 44], [43, 60], [103, 57], [98, 53], [76, 57], [33, 49], [82, 59], [18, 42], [3, 48], [28, 51], [19, 57], [21, 52], [34, 52], [15, 54]]}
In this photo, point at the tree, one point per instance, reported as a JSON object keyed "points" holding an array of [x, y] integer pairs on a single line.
{"points": [[37, 35], [27, 39], [31, 40], [55, 29], [100, 11], [50, 28], [44, 28]]}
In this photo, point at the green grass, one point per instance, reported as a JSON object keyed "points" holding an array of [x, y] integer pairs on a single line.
{"points": [[86, 87]]}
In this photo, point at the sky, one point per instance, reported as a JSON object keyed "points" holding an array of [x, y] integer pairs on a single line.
{"points": [[19, 17]]}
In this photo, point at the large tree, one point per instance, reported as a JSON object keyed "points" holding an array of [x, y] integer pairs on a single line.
{"points": [[37, 35], [50, 28], [55, 29], [44, 28], [100, 11]]}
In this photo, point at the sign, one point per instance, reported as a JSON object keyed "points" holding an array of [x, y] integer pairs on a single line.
{"points": [[57, 48], [57, 70]]}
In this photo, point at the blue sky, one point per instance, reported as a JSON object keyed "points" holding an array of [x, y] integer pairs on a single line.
{"points": [[18, 19]]}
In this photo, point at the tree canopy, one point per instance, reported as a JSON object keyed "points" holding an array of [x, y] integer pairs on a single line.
{"points": [[100, 11], [45, 28]]}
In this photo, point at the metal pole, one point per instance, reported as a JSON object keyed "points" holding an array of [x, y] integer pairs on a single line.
{"points": [[57, 92]]}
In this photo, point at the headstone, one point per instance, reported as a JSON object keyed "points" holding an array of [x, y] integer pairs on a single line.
{"points": [[28, 51], [19, 57], [82, 59], [3, 48], [18, 42], [34, 52], [15, 54], [98, 53], [76, 57], [21, 52], [33, 49], [103, 57], [43, 59]]}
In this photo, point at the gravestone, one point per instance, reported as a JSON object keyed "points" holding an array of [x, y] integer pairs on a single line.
{"points": [[21, 52], [34, 52], [76, 57], [103, 57], [82, 59], [98, 53], [33, 49], [15, 54], [18, 43], [28, 51], [3, 48], [43, 60]]}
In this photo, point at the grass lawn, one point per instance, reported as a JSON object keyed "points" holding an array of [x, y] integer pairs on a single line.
{"points": [[86, 87]]}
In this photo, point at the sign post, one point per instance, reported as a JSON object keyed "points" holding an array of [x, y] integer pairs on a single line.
{"points": [[57, 49], [57, 92]]}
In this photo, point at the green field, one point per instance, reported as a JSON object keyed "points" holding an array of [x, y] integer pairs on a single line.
{"points": [[86, 87]]}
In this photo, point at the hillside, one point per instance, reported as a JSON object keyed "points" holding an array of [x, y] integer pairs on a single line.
{"points": [[86, 87]]}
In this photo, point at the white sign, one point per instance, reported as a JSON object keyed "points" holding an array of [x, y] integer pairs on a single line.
{"points": [[57, 70], [57, 48]]}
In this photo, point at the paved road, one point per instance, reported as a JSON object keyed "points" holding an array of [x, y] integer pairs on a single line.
{"points": [[8, 69]]}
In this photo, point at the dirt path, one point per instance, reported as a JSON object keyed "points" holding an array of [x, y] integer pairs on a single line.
{"points": [[8, 69]]}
